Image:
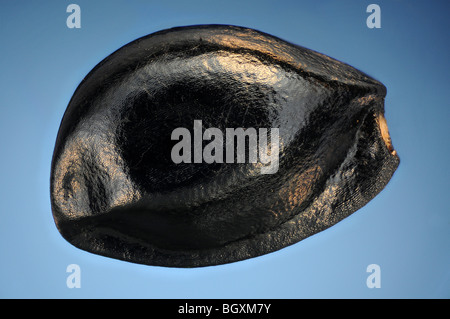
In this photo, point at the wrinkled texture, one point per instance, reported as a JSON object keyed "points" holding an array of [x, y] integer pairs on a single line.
{"points": [[116, 192]]}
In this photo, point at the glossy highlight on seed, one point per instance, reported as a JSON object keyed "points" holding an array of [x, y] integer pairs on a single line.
{"points": [[123, 185]]}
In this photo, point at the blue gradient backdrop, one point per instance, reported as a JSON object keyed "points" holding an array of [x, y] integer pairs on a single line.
{"points": [[405, 229]]}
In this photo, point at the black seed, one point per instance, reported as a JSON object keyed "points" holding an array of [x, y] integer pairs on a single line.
{"points": [[115, 190]]}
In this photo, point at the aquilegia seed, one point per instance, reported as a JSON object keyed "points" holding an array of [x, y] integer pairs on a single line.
{"points": [[205, 145]]}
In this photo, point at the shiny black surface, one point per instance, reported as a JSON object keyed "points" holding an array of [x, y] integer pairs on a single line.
{"points": [[116, 192]]}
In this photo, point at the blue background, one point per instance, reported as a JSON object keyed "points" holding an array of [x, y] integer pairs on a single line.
{"points": [[405, 229]]}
